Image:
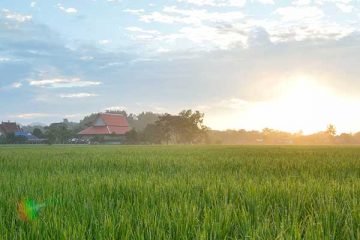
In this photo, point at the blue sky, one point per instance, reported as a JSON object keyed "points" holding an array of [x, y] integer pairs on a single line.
{"points": [[239, 61]]}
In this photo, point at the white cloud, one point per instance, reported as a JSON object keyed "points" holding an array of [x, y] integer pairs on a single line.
{"points": [[138, 33], [266, 2], [62, 83], [346, 8], [12, 86], [104, 42], [115, 108], [200, 2], [303, 22], [299, 13], [205, 29], [301, 2], [16, 85], [216, 3], [212, 37], [86, 58], [31, 115], [16, 16], [235, 3], [205, 37], [112, 64], [198, 16], [173, 14], [69, 10], [4, 59], [163, 50], [140, 30], [299, 32], [78, 95], [75, 116], [134, 11], [200, 29], [232, 103], [33, 4]]}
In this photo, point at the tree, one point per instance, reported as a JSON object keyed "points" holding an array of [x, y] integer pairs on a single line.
{"points": [[140, 121], [345, 138], [132, 137], [58, 133], [11, 138], [186, 127], [87, 121], [356, 137], [121, 112], [38, 133], [331, 130], [154, 134]]}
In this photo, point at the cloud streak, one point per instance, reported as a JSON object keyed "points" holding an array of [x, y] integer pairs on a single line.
{"points": [[16, 16], [69, 10], [63, 83], [31, 115], [78, 95]]}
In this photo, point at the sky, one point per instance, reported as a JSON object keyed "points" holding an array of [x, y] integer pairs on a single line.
{"points": [[247, 64]]}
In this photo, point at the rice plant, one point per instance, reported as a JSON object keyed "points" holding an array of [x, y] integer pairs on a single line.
{"points": [[181, 192]]}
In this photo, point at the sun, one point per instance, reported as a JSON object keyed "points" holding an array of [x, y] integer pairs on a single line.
{"points": [[302, 104]]}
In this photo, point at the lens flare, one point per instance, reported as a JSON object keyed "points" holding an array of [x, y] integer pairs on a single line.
{"points": [[28, 210]]}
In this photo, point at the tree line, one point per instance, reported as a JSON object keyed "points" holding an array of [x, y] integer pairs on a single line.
{"points": [[146, 128], [187, 127], [275, 137]]}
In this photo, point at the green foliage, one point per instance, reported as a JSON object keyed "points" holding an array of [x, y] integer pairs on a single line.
{"points": [[182, 192], [97, 139], [331, 130], [154, 134], [10, 138], [38, 133], [275, 137], [59, 133], [185, 128], [140, 121], [2, 139], [87, 122], [131, 137]]}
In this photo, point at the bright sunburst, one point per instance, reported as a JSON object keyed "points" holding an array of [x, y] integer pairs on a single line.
{"points": [[304, 104], [301, 103]]}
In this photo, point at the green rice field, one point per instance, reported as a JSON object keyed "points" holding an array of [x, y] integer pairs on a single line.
{"points": [[182, 192]]}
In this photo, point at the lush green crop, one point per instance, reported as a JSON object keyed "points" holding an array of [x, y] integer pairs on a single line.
{"points": [[182, 192]]}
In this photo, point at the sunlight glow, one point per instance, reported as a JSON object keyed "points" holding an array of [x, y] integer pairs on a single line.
{"points": [[301, 103], [304, 105]]}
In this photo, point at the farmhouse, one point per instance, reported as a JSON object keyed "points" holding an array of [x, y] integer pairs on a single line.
{"points": [[8, 128], [107, 127], [11, 128]]}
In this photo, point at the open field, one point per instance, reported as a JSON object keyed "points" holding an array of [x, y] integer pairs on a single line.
{"points": [[182, 192]]}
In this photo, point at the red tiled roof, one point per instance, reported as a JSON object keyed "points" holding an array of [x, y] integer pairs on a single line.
{"points": [[104, 130], [9, 127], [115, 124], [114, 119]]}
